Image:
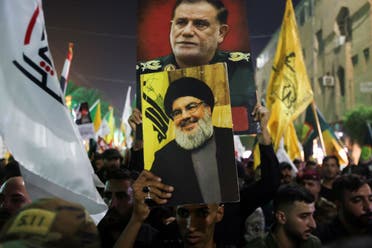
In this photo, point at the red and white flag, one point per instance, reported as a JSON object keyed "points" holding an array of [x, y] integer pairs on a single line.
{"points": [[35, 124], [66, 68], [127, 111]]}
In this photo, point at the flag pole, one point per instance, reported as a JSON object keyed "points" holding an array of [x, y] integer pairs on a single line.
{"points": [[313, 107], [66, 68], [94, 105]]}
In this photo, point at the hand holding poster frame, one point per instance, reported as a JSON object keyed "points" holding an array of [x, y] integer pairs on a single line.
{"points": [[189, 96]]}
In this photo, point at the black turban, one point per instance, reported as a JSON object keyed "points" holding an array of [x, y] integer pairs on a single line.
{"points": [[187, 86]]}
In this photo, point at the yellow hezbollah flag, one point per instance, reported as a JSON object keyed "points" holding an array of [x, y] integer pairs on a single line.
{"points": [[289, 91], [95, 112], [256, 155], [291, 142], [110, 119]]}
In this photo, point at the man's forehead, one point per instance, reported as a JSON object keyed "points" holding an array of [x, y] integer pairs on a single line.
{"points": [[330, 161], [184, 100], [198, 10], [362, 191], [303, 207], [116, 185], [14, 186]]}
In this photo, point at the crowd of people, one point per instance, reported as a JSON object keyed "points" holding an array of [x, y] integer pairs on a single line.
{"points": [[318, 205]]}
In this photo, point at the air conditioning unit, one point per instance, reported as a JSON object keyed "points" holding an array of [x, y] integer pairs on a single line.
{"points": [[328, 81], [340, 40]]}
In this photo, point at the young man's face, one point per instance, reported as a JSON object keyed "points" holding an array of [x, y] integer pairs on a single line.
{"points": [[330, 169], [113, 162], [118, 194], [196, 33], [286, 175], [357, 206], [14, 195], [299, 220], [313, 186], [196, 223]]}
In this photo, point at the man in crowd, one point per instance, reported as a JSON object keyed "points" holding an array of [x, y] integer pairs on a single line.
{"points": [[119, 197], [325, 210], [294, 222], [197, 162], [354, 205], [13, 195], [111, 160], [51, 222], [196, 222], [330, 171], [286, 172]]}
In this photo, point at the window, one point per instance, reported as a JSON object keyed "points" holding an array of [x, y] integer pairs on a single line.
{"points": [[319, 38], [341, 78], [302, 16], [311, 6], [354, 59], [344, 23], [366, 54]]}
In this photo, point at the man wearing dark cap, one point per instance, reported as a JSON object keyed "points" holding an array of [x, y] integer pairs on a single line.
{"points": [[325, 210], [286, 173], [111, 158], [187, 162]]}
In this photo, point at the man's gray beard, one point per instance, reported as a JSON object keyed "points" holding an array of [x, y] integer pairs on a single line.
{"points": [[203, 133]]}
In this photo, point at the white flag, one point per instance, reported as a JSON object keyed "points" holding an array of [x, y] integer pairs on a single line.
{"points": [[35, 124], [127, 111], [2, 148], [282, 156]]}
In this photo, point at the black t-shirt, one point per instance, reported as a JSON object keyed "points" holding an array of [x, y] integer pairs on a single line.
{"points": [[327, 193]]}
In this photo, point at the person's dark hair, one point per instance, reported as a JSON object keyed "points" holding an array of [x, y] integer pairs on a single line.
{"points": [[296, 161], [118, 173], [222, 12], [326, 158], [349, 182], [12, 170], [310, 163], [285, 165], [98, 156], [111, 153], [359, 170], [289, 193]]}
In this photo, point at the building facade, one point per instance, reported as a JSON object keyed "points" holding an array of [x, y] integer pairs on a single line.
{"points": [[336, 38]]}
